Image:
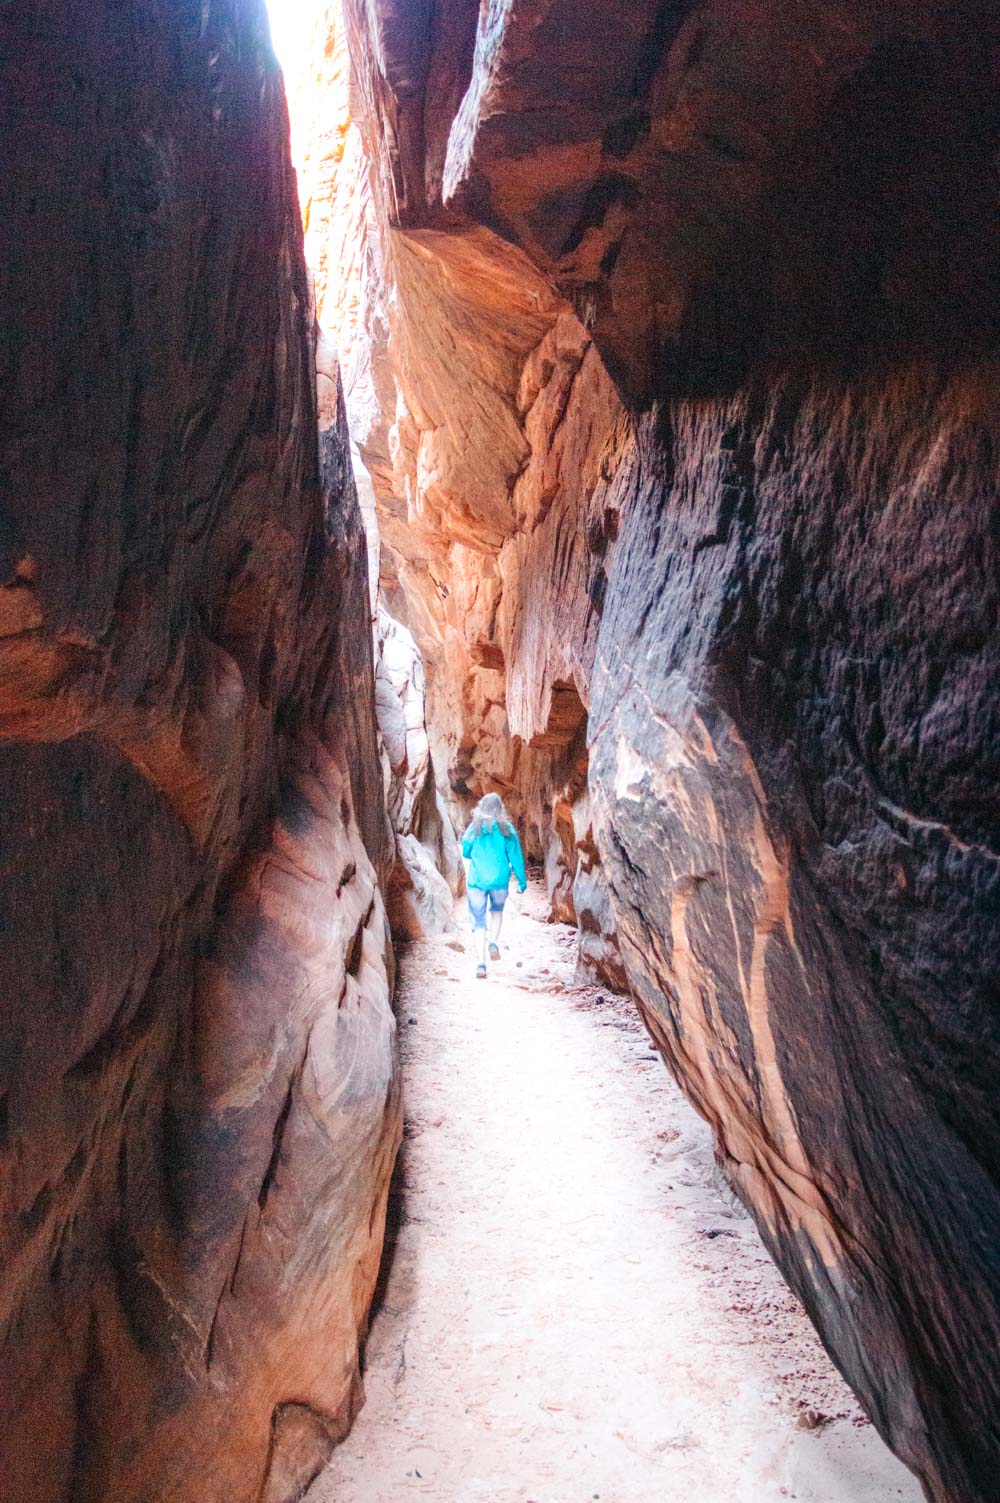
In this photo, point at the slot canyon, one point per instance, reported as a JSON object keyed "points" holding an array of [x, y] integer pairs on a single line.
{"points": [[593, 404]]}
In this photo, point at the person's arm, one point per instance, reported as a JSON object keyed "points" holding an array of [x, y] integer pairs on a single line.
{"points": [[516, 859], [467, 843]]}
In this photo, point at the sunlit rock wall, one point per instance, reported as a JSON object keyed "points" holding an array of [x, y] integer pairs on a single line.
{"points": [[198, 1093], [345, 266], [428, 870], [691, 317], [458, 364]]}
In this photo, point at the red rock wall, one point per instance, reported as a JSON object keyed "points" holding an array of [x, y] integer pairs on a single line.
{"points": [[343, 263], [740, 509], [460, 485], [198, 1091]]}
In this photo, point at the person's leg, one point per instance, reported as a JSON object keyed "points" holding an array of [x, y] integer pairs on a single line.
{"points": [[497, 900], [497, 913], [477, 917]]}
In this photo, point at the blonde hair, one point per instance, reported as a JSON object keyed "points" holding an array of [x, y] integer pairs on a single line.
{"points": [[489, 812]]}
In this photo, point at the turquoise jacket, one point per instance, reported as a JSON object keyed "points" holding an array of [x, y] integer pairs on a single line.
{"points": [[492, 857]]}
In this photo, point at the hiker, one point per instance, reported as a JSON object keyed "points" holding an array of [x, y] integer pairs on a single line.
{"points": [[493, 851]]}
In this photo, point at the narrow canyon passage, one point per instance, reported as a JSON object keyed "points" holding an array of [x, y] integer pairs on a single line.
{"points": [[555, 1197], [588, 405]]}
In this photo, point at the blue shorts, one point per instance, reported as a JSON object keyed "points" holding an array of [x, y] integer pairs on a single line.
{"points": [[477, 904]]}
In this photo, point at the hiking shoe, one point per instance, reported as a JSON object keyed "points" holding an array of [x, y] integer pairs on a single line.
{"points": [[481, 972], [494, 951]]}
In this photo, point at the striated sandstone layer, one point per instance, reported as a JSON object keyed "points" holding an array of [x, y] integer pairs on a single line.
{"points": [[198, 1089], [690, 504]]}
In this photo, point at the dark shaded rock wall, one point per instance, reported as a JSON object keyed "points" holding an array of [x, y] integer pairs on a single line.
{"points": [[764, 564], [812, 943], [198, 1094]]}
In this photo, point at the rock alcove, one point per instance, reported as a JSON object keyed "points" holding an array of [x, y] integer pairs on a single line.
{"points": [[654, 350]]}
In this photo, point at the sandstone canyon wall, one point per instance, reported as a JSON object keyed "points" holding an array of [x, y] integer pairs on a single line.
{"points": [[198, 1091], [343, 258], [687, 485], [436, 456]]}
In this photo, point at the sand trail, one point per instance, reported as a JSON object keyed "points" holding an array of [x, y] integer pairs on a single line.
{"points": [[575, 1308]]}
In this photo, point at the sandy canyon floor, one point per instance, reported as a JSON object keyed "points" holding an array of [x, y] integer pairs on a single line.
{"points": [[574, 1307]]}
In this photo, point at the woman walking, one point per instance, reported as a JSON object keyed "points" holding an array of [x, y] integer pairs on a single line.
{"points": [[493, 851]]}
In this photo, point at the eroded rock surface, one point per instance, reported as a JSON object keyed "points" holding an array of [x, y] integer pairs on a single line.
{"points": [[691, 487], [198, 1089], [427, 872]]}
